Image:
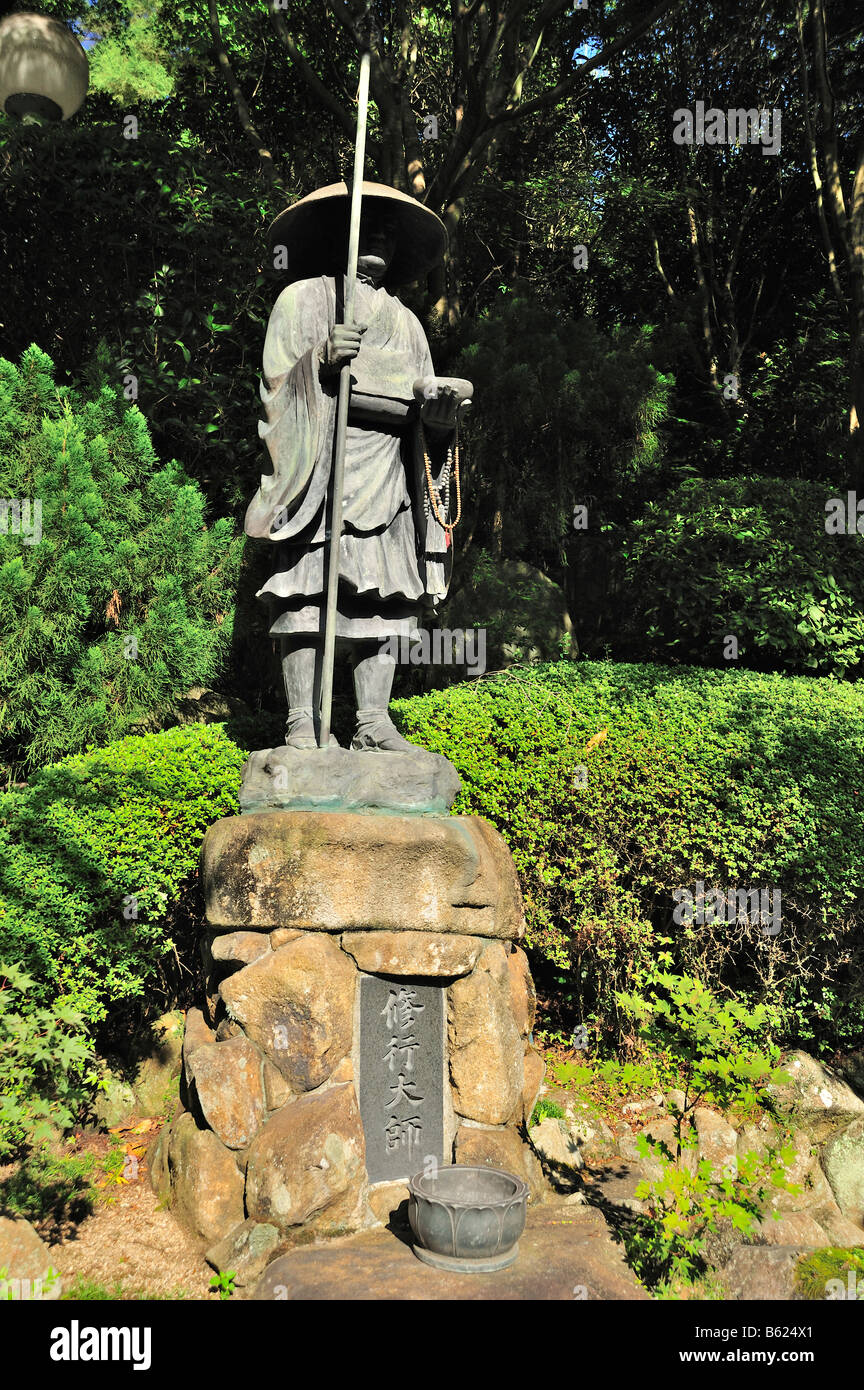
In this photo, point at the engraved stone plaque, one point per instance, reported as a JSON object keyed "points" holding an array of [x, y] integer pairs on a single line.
{"points": [[401, 1081]]}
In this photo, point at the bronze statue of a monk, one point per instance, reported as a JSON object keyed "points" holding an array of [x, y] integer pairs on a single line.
{"points": [[395, 556]]}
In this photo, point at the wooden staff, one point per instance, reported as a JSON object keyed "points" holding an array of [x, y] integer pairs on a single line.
{"points": [[338, 476]]}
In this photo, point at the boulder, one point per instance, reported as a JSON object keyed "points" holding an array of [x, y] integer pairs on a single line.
{"points": [[246, 1250], [157, 1163], [486, 1051], [533, 1072], [841, 1232], [25, 1263], [212, 1004], [206, 1183], [345, 779], [309, 1162], [851, 1068], [763, 1273], [560, 1260], [388, 1202], [200, 705], [522, 992], [228, 1085], [717, 1142], [558, 1151], [664, 1132], [282, 935], [793, 1228], [297, 1004], [413, 952], [344, 871], [843, 1160], [502, 1149], [590, 1132], [155, 1079], [239, 948], [803, 1172], [115, 1101], [816, 1097], [276, 1089], [196, 1035]]}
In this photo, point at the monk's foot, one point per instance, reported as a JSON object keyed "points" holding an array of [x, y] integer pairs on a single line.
{"points": [[378, 733], [300, 732]]}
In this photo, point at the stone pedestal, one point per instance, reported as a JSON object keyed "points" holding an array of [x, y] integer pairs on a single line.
{"points": [[367, 1015]]}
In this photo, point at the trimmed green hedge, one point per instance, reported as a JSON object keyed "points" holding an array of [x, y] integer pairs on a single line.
{"points": [[89, 834], [740, 779], [735, 778]]}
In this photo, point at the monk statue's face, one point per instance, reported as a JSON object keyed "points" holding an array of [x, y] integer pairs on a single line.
{"points": [[377, 243]]}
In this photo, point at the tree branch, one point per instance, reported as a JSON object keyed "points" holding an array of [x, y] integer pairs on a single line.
{"points": [[813, 158], [572, 85], [307, 72], [829, 131], [667, 283], [241, 104]]}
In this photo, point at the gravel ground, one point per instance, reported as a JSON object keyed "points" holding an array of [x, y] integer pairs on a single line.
{"points": [[130, 1242]]}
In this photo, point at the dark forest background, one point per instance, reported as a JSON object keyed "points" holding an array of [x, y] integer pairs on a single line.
{"points": [[693, 377]]}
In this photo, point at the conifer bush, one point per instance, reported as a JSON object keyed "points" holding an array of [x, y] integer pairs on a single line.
{"points": [[121, 596]]}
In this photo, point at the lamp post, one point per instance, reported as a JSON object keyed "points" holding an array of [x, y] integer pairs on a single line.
{"points": [[43, 69]]}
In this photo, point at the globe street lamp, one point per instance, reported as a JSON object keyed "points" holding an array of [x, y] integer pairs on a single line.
{"points": [[43, 69]]}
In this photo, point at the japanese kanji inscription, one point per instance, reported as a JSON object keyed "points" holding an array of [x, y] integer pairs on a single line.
{"points": [[401, 1083]]}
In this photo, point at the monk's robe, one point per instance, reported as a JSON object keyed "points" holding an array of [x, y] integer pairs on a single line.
{"points": [[394, 558]]}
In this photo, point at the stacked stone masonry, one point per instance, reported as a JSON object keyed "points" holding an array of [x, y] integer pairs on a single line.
{"points": [[268, 1144]]}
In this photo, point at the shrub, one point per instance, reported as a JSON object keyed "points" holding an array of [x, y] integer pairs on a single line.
{"points": [[126, 600], [715, 1046], [546, 1110], [564, 414], [615, 784], [522, 613], [747, 557], [97, 863], [42, 1063]]}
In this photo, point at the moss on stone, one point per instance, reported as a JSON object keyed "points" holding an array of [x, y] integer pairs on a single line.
{"points": [[816, 1269]]}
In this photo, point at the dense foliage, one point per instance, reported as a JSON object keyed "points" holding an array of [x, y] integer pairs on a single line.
{"points": [[120, 597], [717, 1047], [636, 312], [749, 559], [740, 779], [96, 859], [42, 1062], [163, 266], [615, 785], [565, 415]]}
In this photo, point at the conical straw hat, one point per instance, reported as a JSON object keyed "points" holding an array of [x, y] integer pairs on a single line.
{"points": [[315, 232]]}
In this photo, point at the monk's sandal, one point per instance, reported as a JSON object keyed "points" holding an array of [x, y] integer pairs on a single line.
{"points": [[376, 732], [300, 730]]}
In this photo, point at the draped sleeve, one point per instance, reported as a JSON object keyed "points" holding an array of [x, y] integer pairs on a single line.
{"points": [[300, 413]]}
